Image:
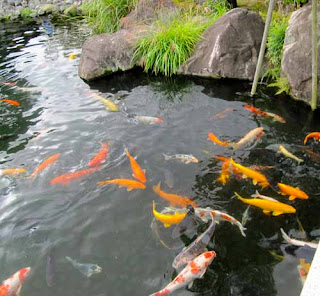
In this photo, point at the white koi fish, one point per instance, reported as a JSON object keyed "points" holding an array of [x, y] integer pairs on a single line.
{"points": [[204, 215], [86, 269], [296, 242], [185, 158], [251, 137], [12, 286], [147, 119], [288, 154], [195, 248], [194, 270], [258, 195]]}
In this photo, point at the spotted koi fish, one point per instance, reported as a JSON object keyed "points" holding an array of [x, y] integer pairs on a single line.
{"points": [[314, 135], [12, 286], [194, 270], [137, 172], [130, 184], [205, 214], [195, 248], [100, 157]]}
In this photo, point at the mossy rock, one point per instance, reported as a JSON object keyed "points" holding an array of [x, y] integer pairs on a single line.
{"points": [[72, 10], [47, 8]]}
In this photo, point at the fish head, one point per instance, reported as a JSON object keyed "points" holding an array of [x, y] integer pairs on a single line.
{"points": [[96, 269], [260, 132], [24, 273], [208, 257]]}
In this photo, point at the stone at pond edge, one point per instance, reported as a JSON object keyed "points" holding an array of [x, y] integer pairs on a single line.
{"points": [[230, 47], [108, 53], [296, 62]]}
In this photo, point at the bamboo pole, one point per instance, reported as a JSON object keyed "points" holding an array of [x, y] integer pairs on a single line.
{"points": [[262, 47], [314, 55]]}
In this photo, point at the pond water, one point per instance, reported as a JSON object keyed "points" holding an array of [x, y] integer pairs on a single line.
{"points": [[110, 226]]}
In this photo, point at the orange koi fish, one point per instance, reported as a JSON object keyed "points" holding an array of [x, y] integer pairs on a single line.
{"points": [[259, 112], [292, 192], [100, 157], [174, 199], [8, 83], [138, 173], [14, 103], [257, 178], [130, 184], [68, 177], [12, 285], [12, 171], [222, 114], [215, 140], [50, 160], [315, 135], [225, 173]]}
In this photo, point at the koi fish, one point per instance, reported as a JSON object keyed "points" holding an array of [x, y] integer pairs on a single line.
{"points": [[100, 157], [205, 215], [314, 135], [12, 102], [257, 178], [277, 208], [86, 269], [261, 167], [225, 173], [50, 268], [185, 158], [50, 160], [173, 199], [303, 269], [293, 192], [12, 171], [12, 286], [195, 248], [276, 117], [251, 137], [245, 216], [110, 106], [296, 242], [258, 195], [288, 154], [65, 179], [168, 219], [212, 137], [194, 270], [137, 172], [222, 114], [147, 119], [31, 89], [72, 56], [130, 184], [259, 112], [314, 156], [187, 223], [8, 83]]}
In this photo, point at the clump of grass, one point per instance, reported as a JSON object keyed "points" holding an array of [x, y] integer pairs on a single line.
{"points": [[282, 84], [170, 43], [104, 15], [26, 12]]}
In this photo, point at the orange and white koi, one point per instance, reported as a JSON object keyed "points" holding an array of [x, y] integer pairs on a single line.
{"points": [[293, 192], [50, 160], [275, 207], [100, 157], [197, 247], [259, 112], [173, 199], [296, 242], [65, 179], [137, 172], [12, 102], [314, 135], [12, 286], [5, 172], [205, 214], [222, 114], [8, 83], [168, 219], [148, 119], [251, 137], [194, 270], [303, 269], [185, 158], [212, 137], [257, 178], [130, 184]]}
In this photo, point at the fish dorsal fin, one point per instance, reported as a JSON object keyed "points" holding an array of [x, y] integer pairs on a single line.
{"points": [[190, 285]]}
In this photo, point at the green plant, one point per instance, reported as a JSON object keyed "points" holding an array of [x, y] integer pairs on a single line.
{"points": [[282, 84], [171, 41], [104, 15], [26, 12]]}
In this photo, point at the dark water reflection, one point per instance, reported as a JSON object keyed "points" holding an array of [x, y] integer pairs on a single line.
{"points": [[110, 226]]}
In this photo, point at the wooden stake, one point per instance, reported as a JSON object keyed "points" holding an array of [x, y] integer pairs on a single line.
{"points": [[314, 55]]}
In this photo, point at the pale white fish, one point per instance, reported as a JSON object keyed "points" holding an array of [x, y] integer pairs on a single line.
{"points": [[288, 154], [185, 158], [258, 195], [245, 216], [148, 119], [296, 242], [31, 89], [251, 137], [86, 269]]}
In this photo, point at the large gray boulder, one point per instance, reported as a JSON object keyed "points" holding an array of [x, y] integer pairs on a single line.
{"points": [[108, 53], [229, 48], [296, 62]]}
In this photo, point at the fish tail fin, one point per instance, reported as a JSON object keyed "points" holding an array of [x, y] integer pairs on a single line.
{"points": [[238, 196], [166, 157], [68, 258], [126, 151], [242, 229], [234, 146], [222, 179], [101, 183], [156, 188]]}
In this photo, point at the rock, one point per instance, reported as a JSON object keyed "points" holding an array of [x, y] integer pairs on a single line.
{"points": [[47, 8], [105, 54], [230, 47], [71, 10], [146, 12], [296, 62]]}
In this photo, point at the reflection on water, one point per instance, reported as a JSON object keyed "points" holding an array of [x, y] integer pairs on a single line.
{"points": [[111, 227]]}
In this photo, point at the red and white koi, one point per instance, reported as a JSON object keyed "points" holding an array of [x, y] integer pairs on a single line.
{"points": [[296, 242], [250, 138], [205, 214], [194, 270], [12, 286]]}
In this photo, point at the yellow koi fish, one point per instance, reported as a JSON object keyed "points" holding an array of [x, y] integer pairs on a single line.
{"points": [[293, 192], [275, 207], [110, 106], [12, 171], [288, 154], [168, 219], [130, 184], [257, 177]]}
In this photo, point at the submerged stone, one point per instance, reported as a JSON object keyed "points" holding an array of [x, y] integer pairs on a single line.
{"points": [[229, 48]]}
